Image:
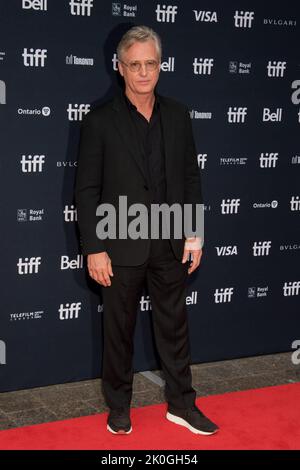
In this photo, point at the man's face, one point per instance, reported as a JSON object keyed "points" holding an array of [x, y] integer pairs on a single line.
{"points": [[143, 81]]}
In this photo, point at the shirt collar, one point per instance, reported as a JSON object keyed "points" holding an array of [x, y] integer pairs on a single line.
{"points": [[132, 106]]}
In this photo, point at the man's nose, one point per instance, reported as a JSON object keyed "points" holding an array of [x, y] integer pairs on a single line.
{"points": [[143, 69]]}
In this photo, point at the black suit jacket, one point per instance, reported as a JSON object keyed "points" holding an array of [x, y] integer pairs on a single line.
{"points": [[110, 164]]}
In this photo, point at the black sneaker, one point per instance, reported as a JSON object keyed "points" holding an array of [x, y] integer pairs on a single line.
{"points": [[119, 421], [193, 419]]}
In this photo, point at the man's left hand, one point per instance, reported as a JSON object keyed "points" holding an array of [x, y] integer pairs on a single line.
{"points": [[192, 246]]}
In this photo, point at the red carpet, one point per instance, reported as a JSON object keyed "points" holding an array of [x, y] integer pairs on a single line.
{"points": [[266, 418]]}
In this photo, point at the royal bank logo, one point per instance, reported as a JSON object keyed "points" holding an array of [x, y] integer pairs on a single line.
{"points": [[166, 13], [276, 69], [39, 5], [241, 68], [223, 295], [2, 92], [76, 111], [243, 19], [122, 9], [69, 311], [2, 352], [81, 7], [30, 215], [206, 16], [230, 206], [257, 292], [261, 248], [268, 160]]}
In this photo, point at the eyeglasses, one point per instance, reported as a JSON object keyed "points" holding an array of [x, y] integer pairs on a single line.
{"points": [[136, 65]]}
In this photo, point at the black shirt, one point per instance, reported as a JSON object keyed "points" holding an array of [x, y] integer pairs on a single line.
{"points": [[150, 137]]}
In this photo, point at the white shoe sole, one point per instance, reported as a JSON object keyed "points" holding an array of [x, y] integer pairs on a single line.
{"points": [[182, 422], [119, 432]]}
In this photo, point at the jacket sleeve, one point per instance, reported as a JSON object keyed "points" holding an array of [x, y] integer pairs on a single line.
{"points": [[192, 182], [88, 184]]}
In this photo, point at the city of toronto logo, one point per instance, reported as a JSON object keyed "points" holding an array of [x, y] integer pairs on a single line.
{"points": [[161, 221]]}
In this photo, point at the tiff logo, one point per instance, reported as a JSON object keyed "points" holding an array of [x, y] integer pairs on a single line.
{"points": [[230, 206], [70, 213], [69, 311], [268, 160], [201, 159], [203, 66], [81, 7], [295, 203], [261, 248], [243, 19], [2, 352], [291, 288], [76, 112], [29, 265], [276, 68], [2, 92], [35, 57], [32, 163], [166, 13], [236, 114], [223, 295], [34, 4]]}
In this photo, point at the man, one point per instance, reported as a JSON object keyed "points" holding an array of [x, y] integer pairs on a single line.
{"points": [[140, 145]]}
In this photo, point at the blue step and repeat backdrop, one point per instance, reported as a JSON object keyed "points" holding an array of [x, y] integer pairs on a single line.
{"points": [[236, 65]]}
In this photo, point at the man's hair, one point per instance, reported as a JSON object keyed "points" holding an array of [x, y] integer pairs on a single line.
{"points": [[138, 34]]}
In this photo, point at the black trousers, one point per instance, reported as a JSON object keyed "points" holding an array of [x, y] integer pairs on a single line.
{"points": [[166, 280]]}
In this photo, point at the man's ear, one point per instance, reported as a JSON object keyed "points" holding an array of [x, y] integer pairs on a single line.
{"points": [[120, 67]]}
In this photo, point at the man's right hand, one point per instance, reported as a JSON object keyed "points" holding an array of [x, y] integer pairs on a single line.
{"points": [[99, 267]]}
